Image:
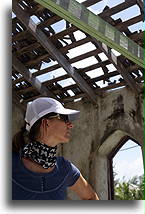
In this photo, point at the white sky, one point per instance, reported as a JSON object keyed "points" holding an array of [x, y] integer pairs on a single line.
{"points": [[128, 163]]}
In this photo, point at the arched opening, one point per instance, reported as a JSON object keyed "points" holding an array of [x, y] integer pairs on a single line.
{"points": [[126, 167], [104, 181]]}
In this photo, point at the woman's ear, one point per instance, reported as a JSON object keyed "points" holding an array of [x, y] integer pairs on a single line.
{"points": [[45, 122]]}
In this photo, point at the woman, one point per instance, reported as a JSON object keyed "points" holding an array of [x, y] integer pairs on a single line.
{"points": [[37, 173]]}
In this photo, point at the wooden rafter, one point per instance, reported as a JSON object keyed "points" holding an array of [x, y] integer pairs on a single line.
{"points": [[88, 3], [141, 5], [18, 66], [118, 8], [118, 65]]}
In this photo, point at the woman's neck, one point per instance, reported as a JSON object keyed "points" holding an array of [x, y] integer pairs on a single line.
{"points": [[47, 141]]}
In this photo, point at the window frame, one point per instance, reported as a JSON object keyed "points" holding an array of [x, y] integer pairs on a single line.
{"points": [[110, 157]]}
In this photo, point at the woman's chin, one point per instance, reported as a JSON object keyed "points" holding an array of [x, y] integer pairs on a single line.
{"points": [[66, 139]]}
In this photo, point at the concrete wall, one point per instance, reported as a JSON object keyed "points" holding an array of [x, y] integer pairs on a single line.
{"points": [[18, 112], [99, 129]]}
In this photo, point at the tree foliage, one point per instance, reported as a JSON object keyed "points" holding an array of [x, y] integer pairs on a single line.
{"points": [[133, 189]]}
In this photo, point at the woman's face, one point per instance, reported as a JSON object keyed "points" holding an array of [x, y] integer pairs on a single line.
{"points": [[61, 130], [54, 131]]}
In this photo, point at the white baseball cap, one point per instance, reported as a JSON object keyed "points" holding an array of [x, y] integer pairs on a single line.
{"points": [[44, 105]]}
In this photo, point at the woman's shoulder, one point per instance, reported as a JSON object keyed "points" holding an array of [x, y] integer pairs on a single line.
{"points": [[69, 169], [62, 160], [63, 163], [66, 164]]}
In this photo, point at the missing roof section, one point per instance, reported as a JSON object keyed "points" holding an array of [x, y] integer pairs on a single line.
{"points": [[74, 52], [127, 13], [66, 82], [52, 75]]}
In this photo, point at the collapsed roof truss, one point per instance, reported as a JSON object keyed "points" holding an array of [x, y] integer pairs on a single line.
{"points": [[31, 52]]}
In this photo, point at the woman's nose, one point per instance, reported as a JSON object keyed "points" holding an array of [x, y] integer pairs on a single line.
{"points": [[70, 125]]}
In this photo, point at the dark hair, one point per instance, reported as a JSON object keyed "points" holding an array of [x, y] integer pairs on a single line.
{"points": [[23, 136]]}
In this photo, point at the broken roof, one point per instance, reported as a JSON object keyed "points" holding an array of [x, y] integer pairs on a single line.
{"points": [[60, 60]]}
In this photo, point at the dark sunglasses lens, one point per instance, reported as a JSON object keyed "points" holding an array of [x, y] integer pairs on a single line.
{"points": [[65, 118]]}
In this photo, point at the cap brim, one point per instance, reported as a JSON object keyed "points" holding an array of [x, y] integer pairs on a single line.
{"points": [[72, 114]]}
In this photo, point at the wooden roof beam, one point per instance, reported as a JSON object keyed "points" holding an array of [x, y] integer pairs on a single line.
{"points": [[118, 8], [137, 36], [62, 49], [98, 91], [92, 80], [88, 3], [28, 89], [18, 66], [141, 5], [96, 79], [123, 25], [89, 68], [119, 66], [73, 60]]}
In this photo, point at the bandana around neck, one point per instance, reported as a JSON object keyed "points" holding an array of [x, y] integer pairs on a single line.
{"points": [[40, 153]]}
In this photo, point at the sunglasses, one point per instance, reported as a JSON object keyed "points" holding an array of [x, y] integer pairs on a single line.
{"points": [[62, 117]]}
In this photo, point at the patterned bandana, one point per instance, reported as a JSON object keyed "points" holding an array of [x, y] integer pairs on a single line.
{"points": [[40, 153]]}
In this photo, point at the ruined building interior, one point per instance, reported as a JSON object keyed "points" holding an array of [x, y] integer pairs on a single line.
{"points": [[54, 57]]}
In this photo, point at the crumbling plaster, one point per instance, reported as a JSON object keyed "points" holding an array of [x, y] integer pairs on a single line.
{"points": [[120, 112]]}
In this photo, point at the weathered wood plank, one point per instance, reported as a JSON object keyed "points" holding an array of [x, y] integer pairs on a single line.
{"points": [[28, 76]]}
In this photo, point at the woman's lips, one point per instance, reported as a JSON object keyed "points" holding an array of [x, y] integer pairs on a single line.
{"points": [[68, 133]]}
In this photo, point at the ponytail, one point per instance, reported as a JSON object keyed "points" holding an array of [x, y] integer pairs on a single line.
{"points": [[18, 140], [23, 136]]}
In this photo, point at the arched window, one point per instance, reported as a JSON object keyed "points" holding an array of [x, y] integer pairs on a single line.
{"points": [[125, 162]]}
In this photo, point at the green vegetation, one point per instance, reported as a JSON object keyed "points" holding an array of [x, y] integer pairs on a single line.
{"points": [[133, 189]]}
